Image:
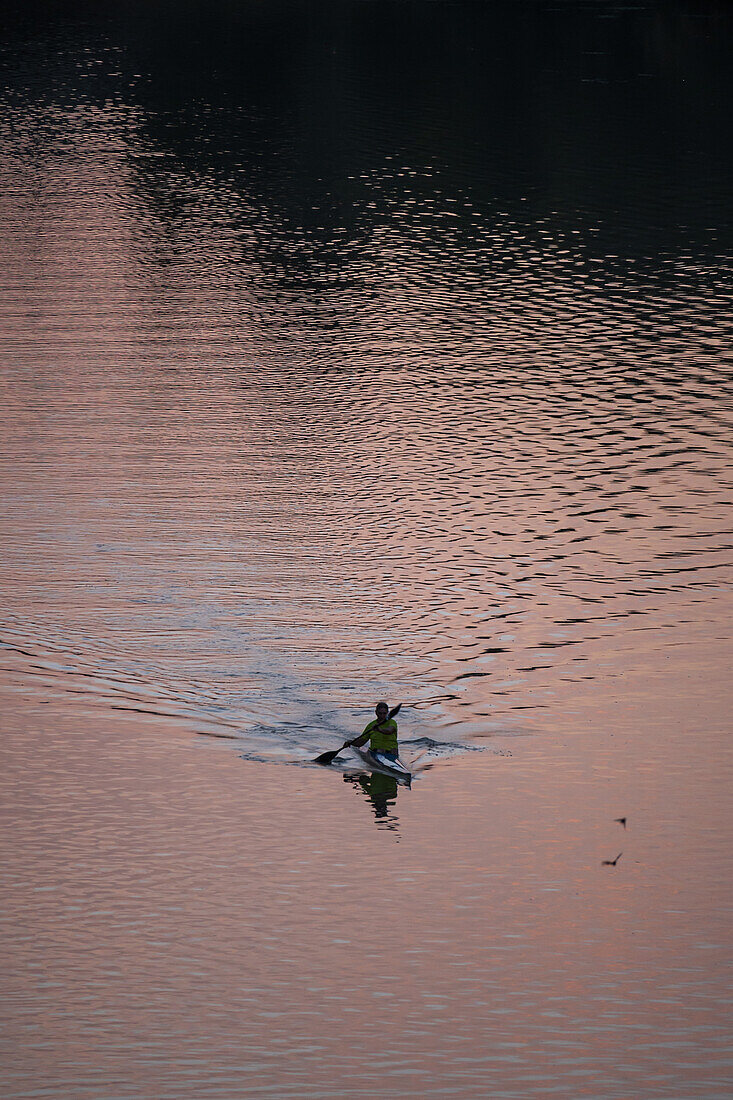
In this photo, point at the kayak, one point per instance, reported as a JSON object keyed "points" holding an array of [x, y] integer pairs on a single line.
{"points": [[378, 762]]}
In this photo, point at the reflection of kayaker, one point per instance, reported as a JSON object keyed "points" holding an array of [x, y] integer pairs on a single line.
{"points": [[381, 790], [383, 793]]}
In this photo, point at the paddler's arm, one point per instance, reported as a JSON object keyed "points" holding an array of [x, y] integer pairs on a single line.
{"points": [[363, 737]]}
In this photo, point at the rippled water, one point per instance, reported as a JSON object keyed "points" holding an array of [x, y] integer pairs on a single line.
{"points": [[358, 351]]}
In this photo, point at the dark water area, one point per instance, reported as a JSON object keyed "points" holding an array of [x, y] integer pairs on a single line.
{"points": [[347, 351]]}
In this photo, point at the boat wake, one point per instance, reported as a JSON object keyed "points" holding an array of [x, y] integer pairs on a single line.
{"points": [[418, 753]]}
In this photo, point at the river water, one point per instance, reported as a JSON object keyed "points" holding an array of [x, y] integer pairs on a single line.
{"points": [[352, 351]]}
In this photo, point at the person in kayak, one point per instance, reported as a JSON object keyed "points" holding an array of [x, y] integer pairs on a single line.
{"points": [[381, 733]]}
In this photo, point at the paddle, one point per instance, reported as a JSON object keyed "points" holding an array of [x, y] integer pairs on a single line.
{"points": [[329, 757]]}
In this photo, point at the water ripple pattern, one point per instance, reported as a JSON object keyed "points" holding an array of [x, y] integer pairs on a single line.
{"points": [[279, 443], [362, 349]]}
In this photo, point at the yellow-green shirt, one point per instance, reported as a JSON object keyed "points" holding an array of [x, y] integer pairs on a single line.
{"points": [[382, 738]]}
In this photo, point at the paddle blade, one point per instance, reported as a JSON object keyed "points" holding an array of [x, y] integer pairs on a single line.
{"points": [[328, 757]]}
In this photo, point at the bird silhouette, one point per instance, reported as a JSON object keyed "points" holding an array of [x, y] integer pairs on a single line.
{"points": [[611, 862], [620, 821]]}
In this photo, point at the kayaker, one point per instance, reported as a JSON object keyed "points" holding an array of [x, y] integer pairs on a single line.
{"points": [[381, 733]]}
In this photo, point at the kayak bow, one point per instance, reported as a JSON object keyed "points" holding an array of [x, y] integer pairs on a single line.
{"points": [[378, 762]]}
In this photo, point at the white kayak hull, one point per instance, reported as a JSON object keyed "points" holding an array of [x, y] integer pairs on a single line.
{"points": [[376, 762]]}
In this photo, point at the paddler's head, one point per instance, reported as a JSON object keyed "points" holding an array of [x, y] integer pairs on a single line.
{"points": [[382, 710]]}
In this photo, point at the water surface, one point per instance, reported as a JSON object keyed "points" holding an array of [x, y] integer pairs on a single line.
{"points": [[350, 351]]}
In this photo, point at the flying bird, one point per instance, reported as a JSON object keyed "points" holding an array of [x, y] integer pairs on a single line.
{"points": [[611, 862], [620, 821]]}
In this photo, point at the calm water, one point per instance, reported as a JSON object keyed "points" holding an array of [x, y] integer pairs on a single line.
{"points": [[347, 351]]}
